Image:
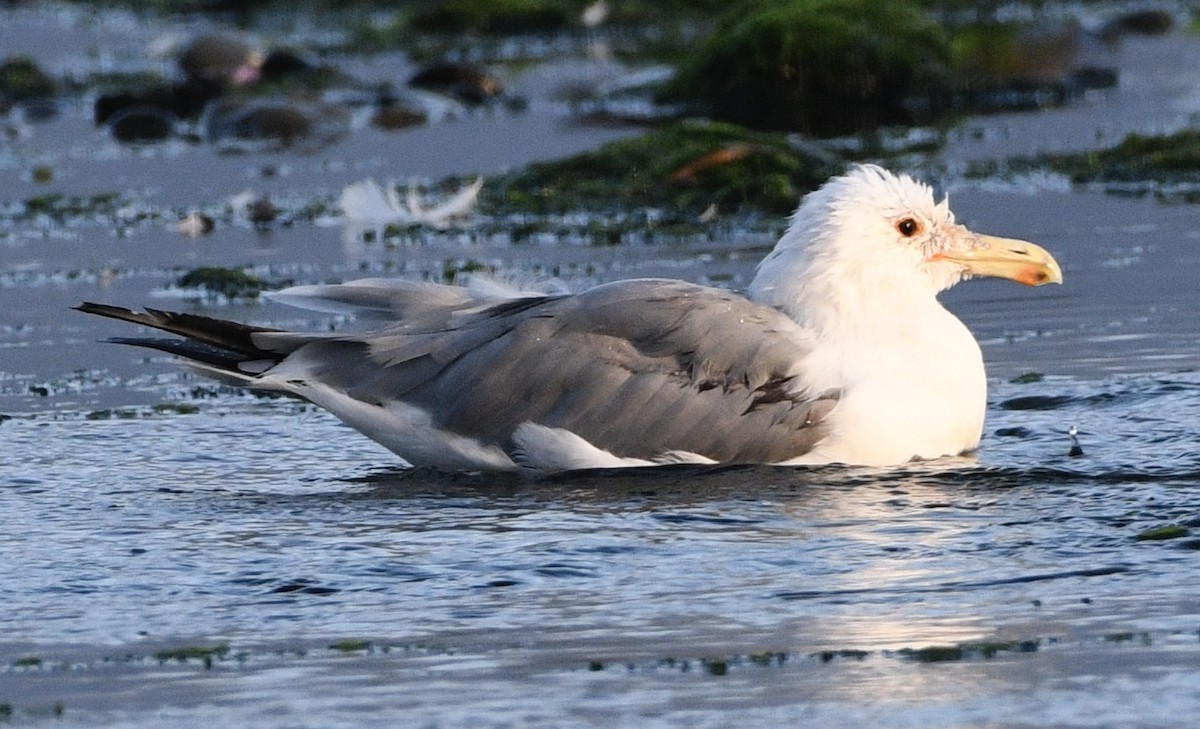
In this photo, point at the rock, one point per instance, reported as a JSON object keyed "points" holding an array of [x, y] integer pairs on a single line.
{"points": [[466, 82], [223, 59], [282, 121], [284, 64], [142, 124], [1138, 22], [393, 115]]}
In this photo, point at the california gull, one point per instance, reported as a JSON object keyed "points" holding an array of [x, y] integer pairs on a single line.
{"points": [[839, 352]]}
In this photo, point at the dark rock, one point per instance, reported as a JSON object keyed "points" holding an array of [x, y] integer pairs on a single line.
{"points": [[1093, 77], [184, 100], [284, 64], [261, 211], [251, 121], [221, 58], [1139, 22], [141, 124], [282, 121], [392, 116], [464, 81]]}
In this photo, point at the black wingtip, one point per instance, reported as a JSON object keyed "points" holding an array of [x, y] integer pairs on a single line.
{"points": [[220, 333], [91, 307], [208, 354]]}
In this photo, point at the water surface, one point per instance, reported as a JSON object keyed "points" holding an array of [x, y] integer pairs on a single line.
{"points": [[182, 554]]}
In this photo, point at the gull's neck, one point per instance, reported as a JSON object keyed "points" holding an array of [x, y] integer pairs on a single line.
{"points": [[835, 298]]}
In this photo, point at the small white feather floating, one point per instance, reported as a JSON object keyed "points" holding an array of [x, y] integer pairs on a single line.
{"points": [[367, 206]]}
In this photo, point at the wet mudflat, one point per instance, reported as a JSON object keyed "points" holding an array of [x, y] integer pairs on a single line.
{"points": [[180, 553]]}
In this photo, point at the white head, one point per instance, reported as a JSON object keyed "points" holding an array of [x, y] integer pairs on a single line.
{"points": [[871, 239]]}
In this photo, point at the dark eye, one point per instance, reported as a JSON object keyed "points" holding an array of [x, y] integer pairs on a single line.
{"points": [[908, 227]]}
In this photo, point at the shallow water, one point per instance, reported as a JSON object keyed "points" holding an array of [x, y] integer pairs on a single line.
{"points": [[317, 585]]}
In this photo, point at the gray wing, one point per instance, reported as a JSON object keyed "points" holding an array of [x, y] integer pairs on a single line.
{"points": [[637, 368]]}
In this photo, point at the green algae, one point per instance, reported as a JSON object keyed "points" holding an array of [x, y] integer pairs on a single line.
{"points": [[719, 665], [685, 166], [175, 408], [351, 645], [203, 653], [21, 78], [823, 67], [1129, 637], [1163, 158], [59, 207], [770, 658], [232, 283], [1167, 165], [111, 414], [1163, 533]]}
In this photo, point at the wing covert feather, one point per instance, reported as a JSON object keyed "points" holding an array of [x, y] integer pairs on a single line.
{"points": [[636, 367]]}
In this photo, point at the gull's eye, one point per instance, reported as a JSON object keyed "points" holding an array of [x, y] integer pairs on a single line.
{"points": [[908, 227]]}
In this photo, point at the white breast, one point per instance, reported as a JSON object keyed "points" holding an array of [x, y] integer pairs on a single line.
{"points": [[916, 390]]}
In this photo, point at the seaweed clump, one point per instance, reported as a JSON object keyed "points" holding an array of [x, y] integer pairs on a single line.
{"points": [[232, 283], [686, 166], [1163, 158], [822, 67], [22, 79], [1167, 166]]}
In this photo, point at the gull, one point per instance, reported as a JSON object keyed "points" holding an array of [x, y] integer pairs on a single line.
{"points": [[839, 352]]}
